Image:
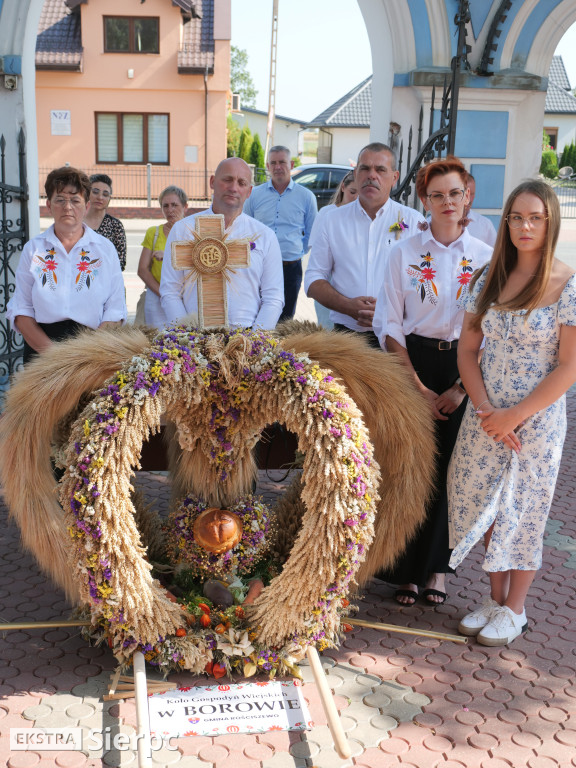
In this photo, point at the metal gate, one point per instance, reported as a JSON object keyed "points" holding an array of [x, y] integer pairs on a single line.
{"points": [[566, 192], [13, 235], [443, 138]]}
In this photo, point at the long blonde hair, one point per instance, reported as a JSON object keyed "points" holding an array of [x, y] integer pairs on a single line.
{"points": [[505, 257]]}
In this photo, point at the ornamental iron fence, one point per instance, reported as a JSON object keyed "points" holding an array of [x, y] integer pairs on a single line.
{"points": [[13, 235]]}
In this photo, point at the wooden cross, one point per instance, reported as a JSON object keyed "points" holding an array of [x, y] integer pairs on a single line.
{"points": [[210, 258]]}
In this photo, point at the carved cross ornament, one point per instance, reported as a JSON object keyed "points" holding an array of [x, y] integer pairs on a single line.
{"points": [[211, 258]]}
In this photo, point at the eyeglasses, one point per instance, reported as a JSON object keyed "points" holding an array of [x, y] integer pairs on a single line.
{"points": [[454, 196], [515, 221]]}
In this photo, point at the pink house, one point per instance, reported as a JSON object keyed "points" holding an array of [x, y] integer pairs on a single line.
{"points": [[125, 85]]}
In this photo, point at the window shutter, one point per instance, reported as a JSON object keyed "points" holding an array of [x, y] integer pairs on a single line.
{"points": [[107, 138], [157, 138], [133, 138]]}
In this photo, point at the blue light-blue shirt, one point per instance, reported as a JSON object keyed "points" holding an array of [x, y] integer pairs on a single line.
{"points": [[290, 215]]}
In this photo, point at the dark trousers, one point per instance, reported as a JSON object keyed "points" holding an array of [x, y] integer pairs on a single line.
{"points": [[292, 282], [368, 336], [59, 331], [428, 551]]}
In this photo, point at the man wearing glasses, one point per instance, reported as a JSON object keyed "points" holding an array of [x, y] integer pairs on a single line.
{"points": [[351, 243]]}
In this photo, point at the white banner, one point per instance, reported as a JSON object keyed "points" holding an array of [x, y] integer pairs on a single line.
{"points": [[218, 709]]}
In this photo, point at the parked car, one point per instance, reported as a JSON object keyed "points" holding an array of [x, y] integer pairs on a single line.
{"points": [[322, 180]]}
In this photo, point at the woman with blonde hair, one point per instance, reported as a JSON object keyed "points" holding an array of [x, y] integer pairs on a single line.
{"points": [[506, 459], [174, 204]]}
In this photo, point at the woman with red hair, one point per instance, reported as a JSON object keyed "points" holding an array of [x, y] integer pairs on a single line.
{"points": [[419, 316]]}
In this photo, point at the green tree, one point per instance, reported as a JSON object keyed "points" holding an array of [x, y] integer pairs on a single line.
{"points": [[245, 144], [240, 79], [232, 137], [257, 153], [549, 165]]}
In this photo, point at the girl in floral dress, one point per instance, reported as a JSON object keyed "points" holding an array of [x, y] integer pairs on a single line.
{"points": [[418, 316], [505, 463]]}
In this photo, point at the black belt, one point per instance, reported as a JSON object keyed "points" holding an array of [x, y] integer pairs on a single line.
{"points": [[434, 343]]}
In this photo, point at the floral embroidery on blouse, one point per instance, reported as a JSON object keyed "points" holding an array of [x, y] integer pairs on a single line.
{"points": [[87, 270], [464, 276], [422, 278], [47, 268]]}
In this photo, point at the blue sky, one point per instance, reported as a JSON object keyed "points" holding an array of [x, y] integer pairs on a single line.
{"points": [[323, 51]]}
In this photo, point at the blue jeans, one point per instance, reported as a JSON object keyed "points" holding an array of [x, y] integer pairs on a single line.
{"points": [[292, 283]]}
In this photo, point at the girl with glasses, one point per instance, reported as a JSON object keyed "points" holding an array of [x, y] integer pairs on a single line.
{"points": [[418, 316], [506, 459]]}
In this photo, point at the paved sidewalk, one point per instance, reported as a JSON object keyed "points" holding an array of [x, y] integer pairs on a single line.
{"points": [[404, 701]]}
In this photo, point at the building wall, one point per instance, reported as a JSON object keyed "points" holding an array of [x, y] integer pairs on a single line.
{"points": [[566, 125], [285, 133], [347, 142], [156, 86]]}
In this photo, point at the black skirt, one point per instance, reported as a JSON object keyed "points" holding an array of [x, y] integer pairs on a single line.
{"points": [[428, 551], [59, 331]]}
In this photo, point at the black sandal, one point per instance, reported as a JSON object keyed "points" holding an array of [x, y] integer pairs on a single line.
{"points": [[406, 593], [426, 593]]}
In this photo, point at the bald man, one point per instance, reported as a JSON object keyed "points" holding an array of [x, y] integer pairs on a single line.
{"points": [[255, 294]]}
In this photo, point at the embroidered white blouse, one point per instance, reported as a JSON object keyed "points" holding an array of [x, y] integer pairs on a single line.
{"points": [[85, 285], [255, 294], [349, 249], [424, 287]]}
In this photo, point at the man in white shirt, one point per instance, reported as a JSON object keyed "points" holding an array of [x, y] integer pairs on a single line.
{"points": [[351, 244], [255, 294], [480, 226]]}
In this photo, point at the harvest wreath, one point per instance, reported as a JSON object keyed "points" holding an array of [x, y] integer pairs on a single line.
{"points": [[220, 389]]}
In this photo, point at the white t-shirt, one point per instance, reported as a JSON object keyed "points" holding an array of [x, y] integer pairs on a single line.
{"points": [[481, 228]]}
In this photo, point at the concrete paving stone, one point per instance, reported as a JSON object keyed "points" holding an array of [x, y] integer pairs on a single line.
{"points": [[563, 672], [539, 693], [21, 702], [306, 749], [486, 675], [258, 752], [213, 753], [513, 716], [379, 699], [374, 758], [448, 677], [329, 759], [440, 744], [498, 695], [495, 762], [483, 741], [46, 671], [409, 679], [459, 696], [567, 737], [193, 762], [395, 746], [382, 723], [541, 762], [417, 699], [80, 711], [469, 718], [70, 759], [40, 690], [165, 757], [9, 653], [527, 739], [23, 760], [553, 714], [61, 701], [191, 745], [284, 760], [49, 654], [37, 712], [116, 759]]}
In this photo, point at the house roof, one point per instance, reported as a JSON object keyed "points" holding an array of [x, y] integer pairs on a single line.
{"points": [[196, 54], [353, 110], [284, 119], [557, 73], [559, 101], [59, 40]]}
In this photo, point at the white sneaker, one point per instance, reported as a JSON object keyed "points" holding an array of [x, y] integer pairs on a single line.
{"points": [[503, 627], [477, 620]]}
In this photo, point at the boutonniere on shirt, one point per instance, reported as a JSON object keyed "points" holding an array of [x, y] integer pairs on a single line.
{"points": [[465, 275], [423, 278], [398, 227], [87, 268], [47, 268]]}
